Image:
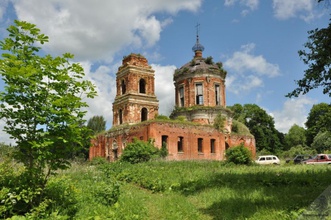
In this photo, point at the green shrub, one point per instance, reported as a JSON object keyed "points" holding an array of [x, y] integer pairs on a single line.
{"points": [[98, 160], [163, 151], [106, 193], [139, 151], [239, 155], [209, 60], [162, 117]]}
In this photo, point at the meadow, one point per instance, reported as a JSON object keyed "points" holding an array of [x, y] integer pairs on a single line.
{"points": [[193, 190]]}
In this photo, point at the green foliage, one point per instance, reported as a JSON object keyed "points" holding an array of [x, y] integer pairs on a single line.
{"points": [[322, 142], [98, 160], [318, 120], [261, 126], [295, 136], [219, 122], [299, 149], [6, 151], [239, 155], [42, 108], [162, 117], [209, 60], [163, 151], [139, 151], [240, 128], [318, 58], [107, 194], [97, 124], [170, 190]]}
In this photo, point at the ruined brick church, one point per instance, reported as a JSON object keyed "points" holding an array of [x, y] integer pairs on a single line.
{"points": [[190, 134]]}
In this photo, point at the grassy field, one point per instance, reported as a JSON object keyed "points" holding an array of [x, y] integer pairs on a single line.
{"points": [[197, 190]]}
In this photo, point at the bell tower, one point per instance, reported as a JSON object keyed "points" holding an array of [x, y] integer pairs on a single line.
{"points": [[135, 99]]}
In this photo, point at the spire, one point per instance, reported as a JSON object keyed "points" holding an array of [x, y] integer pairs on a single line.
{"points": [[198, 48]]}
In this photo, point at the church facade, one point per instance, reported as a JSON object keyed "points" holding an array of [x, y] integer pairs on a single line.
{"points": [[200, 101]]}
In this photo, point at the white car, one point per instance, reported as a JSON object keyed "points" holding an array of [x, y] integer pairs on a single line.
{"points": [[267, 159]]}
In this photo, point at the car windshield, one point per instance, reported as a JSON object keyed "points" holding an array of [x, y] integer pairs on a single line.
{"points": [[314, 157]]}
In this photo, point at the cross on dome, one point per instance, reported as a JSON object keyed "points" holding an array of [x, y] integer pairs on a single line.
{"points": [[198, 48]]}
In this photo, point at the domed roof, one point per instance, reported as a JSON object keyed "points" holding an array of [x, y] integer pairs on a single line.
{"points": [[200, 65]]}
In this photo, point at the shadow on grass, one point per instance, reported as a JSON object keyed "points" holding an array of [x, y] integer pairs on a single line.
{"points": [[284, 192]]}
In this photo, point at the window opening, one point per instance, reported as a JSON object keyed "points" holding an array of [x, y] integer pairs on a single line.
{"points": [[180, 144], [164, 140], [217, 94], [212, 145], [181, 96], [142, 86], [199, 94], [200, 140], [123, 86], [120, 114], [143, 114]]}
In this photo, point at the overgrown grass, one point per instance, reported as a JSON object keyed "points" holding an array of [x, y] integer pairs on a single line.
{"points": [[196, 190]]}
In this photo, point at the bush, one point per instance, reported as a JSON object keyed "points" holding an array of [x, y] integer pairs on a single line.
{"points": [[139, 151], [98, 161], [239, 155]]}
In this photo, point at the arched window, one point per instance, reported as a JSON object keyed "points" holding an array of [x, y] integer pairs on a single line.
{"points": [[120, 116], [143, 114], [142, 86], [123, 87]]}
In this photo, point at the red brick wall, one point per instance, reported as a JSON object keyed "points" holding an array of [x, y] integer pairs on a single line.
{"points": [[208, 91], [102, 145]]}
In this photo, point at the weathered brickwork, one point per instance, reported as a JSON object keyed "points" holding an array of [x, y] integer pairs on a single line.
{"points": [[200, 98], [135, 99]]}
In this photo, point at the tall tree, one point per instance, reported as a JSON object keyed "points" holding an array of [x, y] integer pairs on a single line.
{"points": [[296, 136], [260, 124], [41, 105], [97, 124], [318, 120], [322, 141], [318, 58]]}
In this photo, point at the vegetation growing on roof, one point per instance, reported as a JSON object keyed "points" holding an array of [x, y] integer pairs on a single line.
{"points": [[209, 60], [240, 128]]}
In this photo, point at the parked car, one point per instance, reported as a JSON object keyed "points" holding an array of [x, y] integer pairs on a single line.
{"points": [[298, 159], [267, 159], [319, 159]]}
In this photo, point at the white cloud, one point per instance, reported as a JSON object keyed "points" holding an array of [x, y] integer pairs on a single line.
{"points": [[247, 70], [164, 88], [105, 83], [250, 5], [3, 6], [242, 61], [294, 111], [97, 30], [285, 9]]}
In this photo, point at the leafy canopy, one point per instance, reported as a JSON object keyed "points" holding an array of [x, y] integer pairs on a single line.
{"points": [[318, 58], [318, 120], [97, 124], [260, 124], [41, 103]]}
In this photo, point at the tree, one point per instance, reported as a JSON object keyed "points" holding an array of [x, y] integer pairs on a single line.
{"points": [[296, 136], [260, 124], [318, 120], [97, 124], [42, 108], [318, 58], [322, 142]]}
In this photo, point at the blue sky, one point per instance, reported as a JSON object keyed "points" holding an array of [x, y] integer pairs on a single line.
{"points": [[257, 41]]}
